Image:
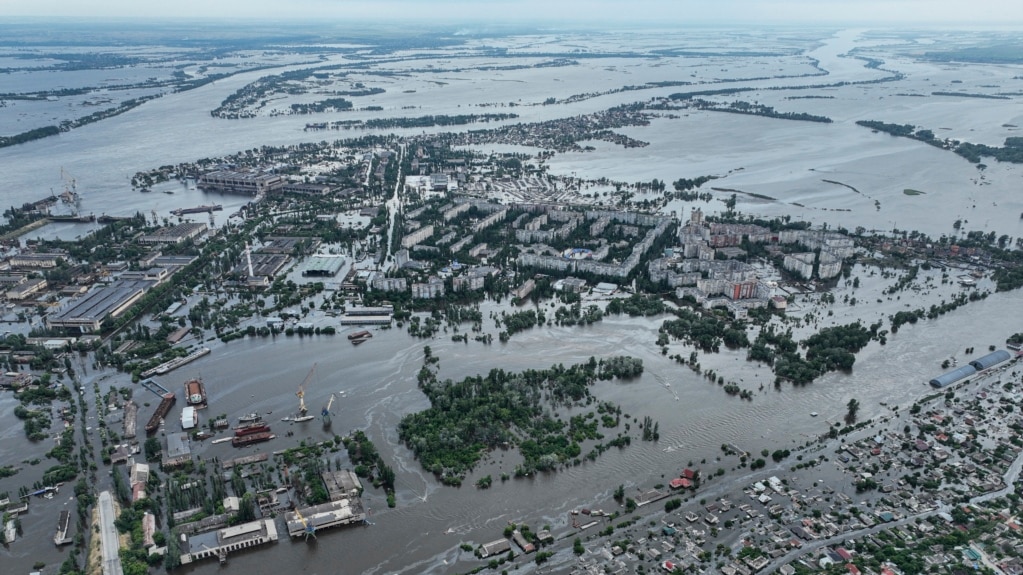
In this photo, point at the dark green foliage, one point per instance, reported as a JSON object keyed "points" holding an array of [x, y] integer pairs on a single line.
{"points": [[706, 331], [636, 305], [480, 413]]}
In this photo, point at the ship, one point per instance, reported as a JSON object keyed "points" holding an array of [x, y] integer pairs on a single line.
{"points": [[250, 430], [195, 393], [252, 438], [197, 210], [250, 418], [161, 412], [359, 337]]}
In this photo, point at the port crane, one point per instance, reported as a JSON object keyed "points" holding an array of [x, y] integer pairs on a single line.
{"points": [[309, 528], [302, 410], [325, 414]]}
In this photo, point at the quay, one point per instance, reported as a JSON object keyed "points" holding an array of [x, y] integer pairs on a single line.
{"points": [[60, 537], [176, 363], [154, 386], [223, 541]]}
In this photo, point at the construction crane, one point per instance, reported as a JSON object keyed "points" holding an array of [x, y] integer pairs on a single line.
{"points": [[309, 528], [325, 414], [302, 410]]}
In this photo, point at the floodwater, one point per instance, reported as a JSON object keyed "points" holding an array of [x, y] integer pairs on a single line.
{"points": [[785, 160]]}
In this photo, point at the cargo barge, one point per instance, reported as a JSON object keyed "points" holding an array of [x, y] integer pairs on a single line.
{"points": [[251, 429], [195, 393], [359, 337], [161, 412], [252, 438], [197, 210]]}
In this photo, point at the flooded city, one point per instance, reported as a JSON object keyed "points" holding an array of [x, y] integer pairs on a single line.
{"points": [[288, 341]]}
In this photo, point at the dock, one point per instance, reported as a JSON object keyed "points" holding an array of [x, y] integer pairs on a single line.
{"points": [[60, 537], [131, 411], [154, 386], [176, 363]]}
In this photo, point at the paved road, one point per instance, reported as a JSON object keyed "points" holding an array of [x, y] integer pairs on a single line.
{"points": [[108, 535]]}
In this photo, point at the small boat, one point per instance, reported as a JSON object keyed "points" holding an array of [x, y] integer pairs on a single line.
{"points": [[249, 418], [813, 414], [303, 418], [221, 440]]}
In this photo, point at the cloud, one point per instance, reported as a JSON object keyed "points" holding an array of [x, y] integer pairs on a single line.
{"points": [[828, 12]]}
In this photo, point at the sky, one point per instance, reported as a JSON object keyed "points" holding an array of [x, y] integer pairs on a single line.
{"points": [[825, 12]]}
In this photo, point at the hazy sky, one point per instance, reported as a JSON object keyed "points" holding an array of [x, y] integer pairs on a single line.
{"points": [[921, 12]]}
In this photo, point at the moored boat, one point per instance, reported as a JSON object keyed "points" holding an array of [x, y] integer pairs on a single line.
{"points": [[195, 393]]}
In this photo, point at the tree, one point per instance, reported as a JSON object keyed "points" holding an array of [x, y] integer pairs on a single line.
{"points": [[854, 407]]}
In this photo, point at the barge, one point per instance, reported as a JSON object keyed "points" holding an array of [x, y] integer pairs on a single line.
{"points": [[161, 412], [195, 393], [252, 438], [251, 429]]}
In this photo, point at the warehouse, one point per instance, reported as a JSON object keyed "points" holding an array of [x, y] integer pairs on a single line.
{"points": [[990, 360], [953, 376]]}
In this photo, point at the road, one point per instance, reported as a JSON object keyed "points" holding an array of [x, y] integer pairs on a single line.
{"points": [[108, 535], [393, 205]]}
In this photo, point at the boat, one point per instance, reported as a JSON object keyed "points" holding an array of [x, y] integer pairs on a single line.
{"points": [[252, 438], [203, 435], [250, 429], [197, 210], [161, 412], [302, 418], [250, 417], [222, 440], [195, 393], [813, 414]]}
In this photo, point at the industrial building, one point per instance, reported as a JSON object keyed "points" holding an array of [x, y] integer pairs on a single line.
{"points": [[990, 360], [980, 364], [220, 543], [88, 313], [174, 234], [324, 266], [238, 182], [326, 515], [953, 376]]}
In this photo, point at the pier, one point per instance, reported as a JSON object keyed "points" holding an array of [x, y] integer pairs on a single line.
{"points": [[60, 537], [176, 363], [154, 386]]}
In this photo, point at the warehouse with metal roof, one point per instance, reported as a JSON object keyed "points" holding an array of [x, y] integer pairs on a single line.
{"points": [[321, 265], [953, 376], [990, 360]]}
